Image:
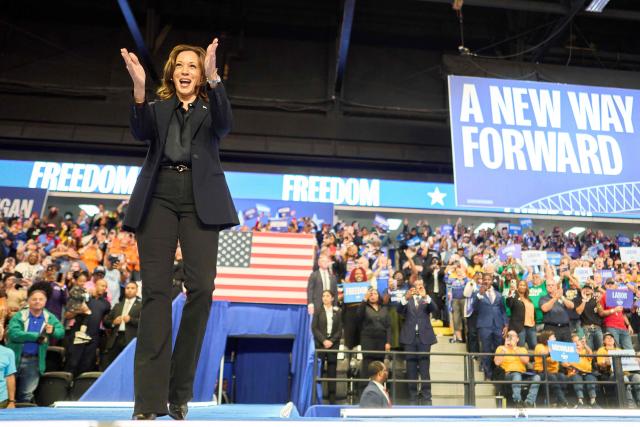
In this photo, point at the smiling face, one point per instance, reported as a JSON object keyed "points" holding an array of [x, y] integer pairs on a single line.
{"points": [[187, 75]]}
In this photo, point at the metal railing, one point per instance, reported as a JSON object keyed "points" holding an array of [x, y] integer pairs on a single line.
{"points": [[469, 380]]}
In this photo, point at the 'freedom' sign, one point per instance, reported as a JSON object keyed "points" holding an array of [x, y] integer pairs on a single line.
{"points": [[548, 148]]}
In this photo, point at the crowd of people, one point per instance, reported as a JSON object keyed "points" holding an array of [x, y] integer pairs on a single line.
{"points": [[71, 282], [494, 303]]}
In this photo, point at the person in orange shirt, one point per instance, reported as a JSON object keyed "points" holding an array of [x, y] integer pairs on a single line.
{"points": [[91, 255], [513, 360], [125, 246], [552, 367], [582, 371]]}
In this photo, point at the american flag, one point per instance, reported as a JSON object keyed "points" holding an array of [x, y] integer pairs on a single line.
{"points": [[261, 267]]}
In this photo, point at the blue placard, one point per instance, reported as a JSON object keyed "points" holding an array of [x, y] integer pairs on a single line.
{"points": [[515, 230], [355, 292], [606, 274], [593, 250], [554, 258], [624, 241], [622, 297], [279, 225], [514, 251], [446, 229], [253, 210], [563, 352], [383, 280], [573, 252], [526, 223], [414, 241], [21, 202], [548, 147], [285, 212], [380, 221]]}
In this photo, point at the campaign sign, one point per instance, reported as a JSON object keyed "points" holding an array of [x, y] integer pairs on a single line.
{"points": [[624, 241], [285, 212], [550, 148], [355, 292], [593, 250], [526, 223], [414, 241], [554, 258], [630, 254], [383, 281], [280, 225], [583, 274], [620, 297], [21, 202], [533, 258], [446, 229], [606, 274], [513, 251], [563, 352], [573, 252], [380, 221], [515, 229], [629, 363]]}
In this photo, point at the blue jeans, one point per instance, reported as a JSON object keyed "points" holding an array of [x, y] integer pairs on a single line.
{"points": [[557, 389], [593, 335], [528, 335], [517, 388], [633, 387], [579, 388], [28, 379], [622, 337]]}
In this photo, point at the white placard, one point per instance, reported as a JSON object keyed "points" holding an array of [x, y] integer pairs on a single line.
{"points": [[583, 273], [629, 364], [631, 253], [533, 258]]}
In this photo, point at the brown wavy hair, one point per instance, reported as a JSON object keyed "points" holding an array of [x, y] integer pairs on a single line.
{"points": [[167, 89]]}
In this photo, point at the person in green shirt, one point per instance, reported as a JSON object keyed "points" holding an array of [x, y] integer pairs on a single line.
{"points": [[537, 289]]}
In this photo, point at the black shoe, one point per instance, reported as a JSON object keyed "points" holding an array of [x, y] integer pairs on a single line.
{"points": [[178, 412], [144, 417]]}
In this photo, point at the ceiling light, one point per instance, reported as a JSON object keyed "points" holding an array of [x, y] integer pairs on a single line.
{"points": [[597, 5], [394, 223], [91, 210], [484, 226], [574, 230]]}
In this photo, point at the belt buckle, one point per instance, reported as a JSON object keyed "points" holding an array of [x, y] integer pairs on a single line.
{"points": [[181, 168]]}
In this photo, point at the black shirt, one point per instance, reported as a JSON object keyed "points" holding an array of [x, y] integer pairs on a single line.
{"points": [[99, 307], [590, 314], [177, 149], [558, 315], [575, 297]]}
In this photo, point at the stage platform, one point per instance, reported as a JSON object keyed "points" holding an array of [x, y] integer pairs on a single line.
{"points": [[117, 414]]}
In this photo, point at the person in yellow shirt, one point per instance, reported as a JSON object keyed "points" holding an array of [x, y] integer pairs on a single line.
{"points": [[582, 371], [604, 366], [513, 360], [552, 371]]}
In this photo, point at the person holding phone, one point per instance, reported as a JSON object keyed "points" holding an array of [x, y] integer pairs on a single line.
{"points": [[375, 328]]}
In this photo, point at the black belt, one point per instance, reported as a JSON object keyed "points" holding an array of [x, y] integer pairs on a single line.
{"points": [[178, 168], [29, 356], [558, 325]]}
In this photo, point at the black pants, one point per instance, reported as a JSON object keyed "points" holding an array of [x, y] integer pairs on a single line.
{"points": [[119, 343], [82, 357], [331, 371], [369, 342], [418, 363], [473, 342], [562, 333], [160, 376]]}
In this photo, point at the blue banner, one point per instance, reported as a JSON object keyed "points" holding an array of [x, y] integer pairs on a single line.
{"points": [[550, 148], [606, 274], [21, 202], [446, 229], [622, 297], [526, 223], [414, 241], [565, 352], [355, 292], [380, 221]]}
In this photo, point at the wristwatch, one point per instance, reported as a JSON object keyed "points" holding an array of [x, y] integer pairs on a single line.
{"points": [[213, 82]]}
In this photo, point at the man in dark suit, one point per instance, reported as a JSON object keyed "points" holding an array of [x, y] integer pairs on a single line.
{"points": [[375, 394], [122, 324], [319, 281], [180, 195], [417, 335], [492, 321], [436, 287], [327, 331]]}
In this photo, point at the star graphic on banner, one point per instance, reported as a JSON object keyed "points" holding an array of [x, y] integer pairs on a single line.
{"points": [[316, 220], [437, 197]]}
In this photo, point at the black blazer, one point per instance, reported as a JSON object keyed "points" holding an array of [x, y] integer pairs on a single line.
{"points": [[319, 326], [210, 123], [428, 282], [516, 320], [130, 329], [315, 289], [417, 315]]}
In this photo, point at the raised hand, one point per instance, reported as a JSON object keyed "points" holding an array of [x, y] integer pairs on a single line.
{"points": [[137, 73], [135, 69], [210, 70]]}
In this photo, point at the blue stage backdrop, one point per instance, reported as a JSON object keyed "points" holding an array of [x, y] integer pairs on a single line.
{"points": [[226, 319], [536, 147]]}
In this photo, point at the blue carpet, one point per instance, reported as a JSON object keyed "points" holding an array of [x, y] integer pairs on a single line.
{"points": [[222, 412]]}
